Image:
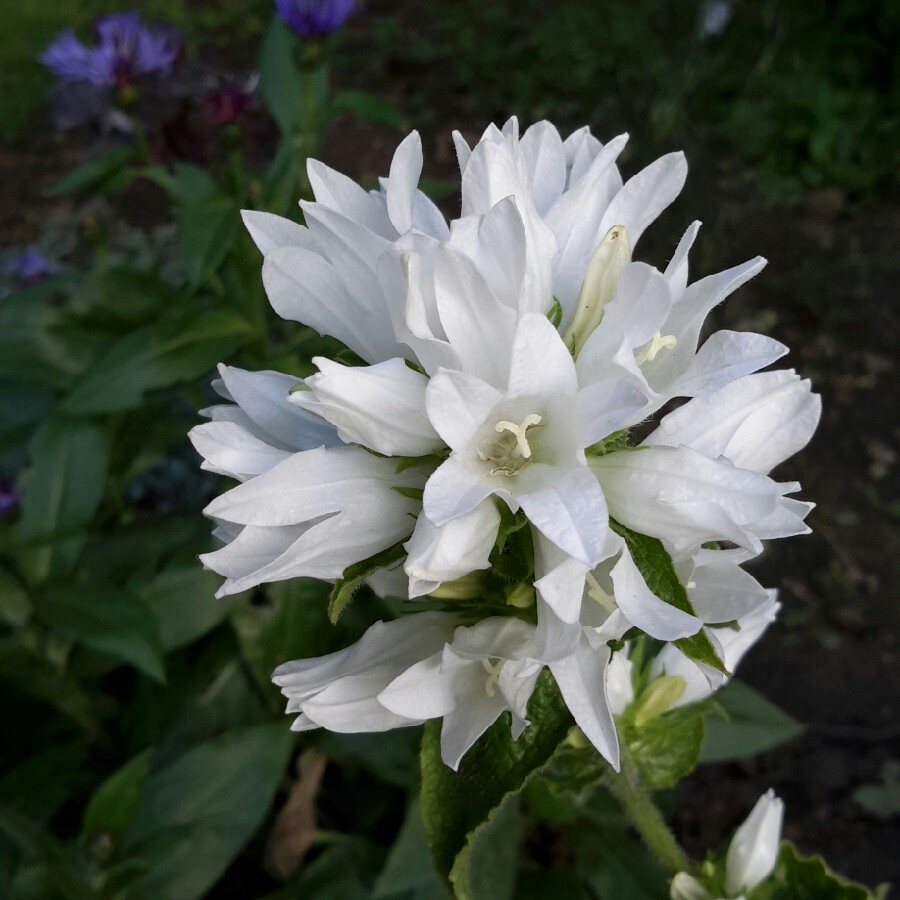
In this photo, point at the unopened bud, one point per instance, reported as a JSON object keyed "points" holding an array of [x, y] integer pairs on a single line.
{"points": [[657, 698], [599, 287]]}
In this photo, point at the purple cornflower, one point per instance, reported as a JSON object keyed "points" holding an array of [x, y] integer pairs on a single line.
{"points": [[9, 497], [29, 266], [124, 50], [315, 18], [230, 99]]}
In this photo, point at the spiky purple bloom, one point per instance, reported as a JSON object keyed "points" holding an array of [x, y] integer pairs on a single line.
{"points": [[125, 49], [315, 18], [230, 99], [29, 266]]}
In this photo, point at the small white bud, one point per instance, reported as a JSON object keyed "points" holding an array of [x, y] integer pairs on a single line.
{"points": [[686, 887], [754, 847]]}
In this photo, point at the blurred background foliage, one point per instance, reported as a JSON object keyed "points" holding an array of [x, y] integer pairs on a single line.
{"points": [[145, 753]]}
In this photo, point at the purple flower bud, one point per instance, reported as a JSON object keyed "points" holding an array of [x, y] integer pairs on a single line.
{"points": [[9, 497], [125, 50], [230, 99], [29, 266], [315, 18]]}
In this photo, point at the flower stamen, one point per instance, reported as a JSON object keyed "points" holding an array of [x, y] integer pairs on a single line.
{"points": [[493, 670], [657, 342], [595, 592], [511, 451]]}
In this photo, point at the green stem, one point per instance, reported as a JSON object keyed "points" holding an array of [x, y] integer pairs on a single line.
{"points": [[628, 788]]}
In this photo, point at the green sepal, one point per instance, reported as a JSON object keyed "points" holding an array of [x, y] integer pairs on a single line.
{"points": [[556, 313], [347, 585], [657, 569], [409, 492], [458, 807], [666, 748], [809, 878], [411, 462], [618, 440]]}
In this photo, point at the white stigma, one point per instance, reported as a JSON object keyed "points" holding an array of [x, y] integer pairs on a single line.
{"points": [[657, 342], [493, 678], [522, 448], [511, 452], [595, 592]]}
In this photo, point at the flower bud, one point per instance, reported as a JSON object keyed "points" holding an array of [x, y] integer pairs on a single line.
{"points": [[754, 847], [599, 287], [686, 887], [659, 696]]}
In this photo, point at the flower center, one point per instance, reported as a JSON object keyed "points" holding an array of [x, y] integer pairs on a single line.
{"points": [[493, 670], [595, 592], [511, 452], [657, 342]]}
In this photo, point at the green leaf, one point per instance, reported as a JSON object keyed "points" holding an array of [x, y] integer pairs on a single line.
{"points": [[37, 844], [348, 584], [207, 229], [292, 623], [610, 860], [196, 814], [752, 725], [109, 621], [27, 788], [61, 491], [658, 570], [98, 175], [486, 867], [37, 344], [15, 605], [667, 748], [280, 80], [114, 804], [368, 107], [809, 878], [883, 799], [408, 871], [455, 804], [154, 357], [183, 601]]}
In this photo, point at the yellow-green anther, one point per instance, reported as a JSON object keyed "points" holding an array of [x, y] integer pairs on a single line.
{"points": [[466, 588], [657, 698], [599, 287], [521, 595]]}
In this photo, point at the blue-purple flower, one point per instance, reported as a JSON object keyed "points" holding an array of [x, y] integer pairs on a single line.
{"points": [[125, 50], [29, 266], [315, 18], [9, 497]]}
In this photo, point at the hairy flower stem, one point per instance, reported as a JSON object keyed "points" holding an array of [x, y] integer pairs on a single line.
{"points": [[628, 788]]}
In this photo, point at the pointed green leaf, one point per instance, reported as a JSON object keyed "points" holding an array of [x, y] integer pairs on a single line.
{"points": [[107, 620], [114, 804], [455, 804], [809, 878], [752, 724], [347, 585], [61, 491], [658, 570]]}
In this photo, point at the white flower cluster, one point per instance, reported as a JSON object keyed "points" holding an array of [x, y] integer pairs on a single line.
{"points": [[500, 361]]}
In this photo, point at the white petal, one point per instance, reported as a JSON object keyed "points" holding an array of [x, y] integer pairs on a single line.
{"points": [[452, 491], [465, 724], [546, 160], [381, 407], [458, 405], [263, 396], [753, 851], [443, 553], [559, 579], [540, 364], [476, 323], [606, 406], [567, 506], [724, 592], [231, 450], [725, 357], [645, 196], [270, 232], [303, 287], [644, 609], [308, 485], [406, 168], [677, 270], [336, 191], [757, 421], [581, 679]]}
